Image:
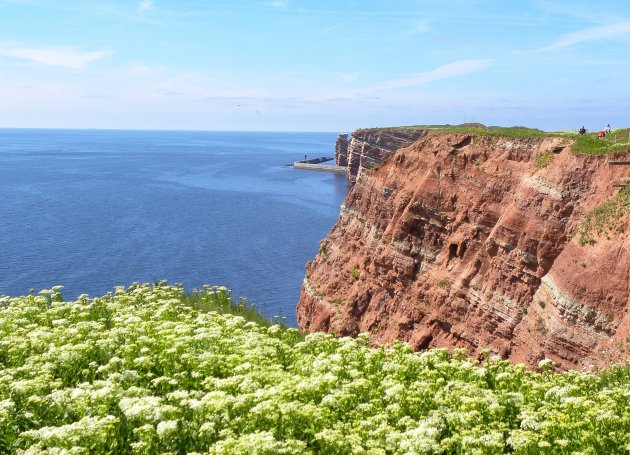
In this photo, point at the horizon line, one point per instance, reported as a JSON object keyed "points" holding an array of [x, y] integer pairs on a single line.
{"points": [[160, 130]]}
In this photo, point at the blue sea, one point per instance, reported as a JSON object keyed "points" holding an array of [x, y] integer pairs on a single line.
{"points": [[92, 209]]}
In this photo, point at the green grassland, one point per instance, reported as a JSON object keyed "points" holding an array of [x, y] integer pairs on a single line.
{"points": [[617, 141], [472, 128], [149, 369]]}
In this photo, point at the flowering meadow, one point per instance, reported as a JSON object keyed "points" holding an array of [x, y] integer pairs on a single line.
{"points": [[142, 370]]}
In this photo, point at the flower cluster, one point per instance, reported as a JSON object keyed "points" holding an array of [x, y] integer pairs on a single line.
{"points": [[141, 371]]}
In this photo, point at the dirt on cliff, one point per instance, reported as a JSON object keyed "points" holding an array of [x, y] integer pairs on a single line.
{"points": [[480, 242]]}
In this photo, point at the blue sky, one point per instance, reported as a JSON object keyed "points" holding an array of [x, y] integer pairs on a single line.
{"points": [[298, 65]]}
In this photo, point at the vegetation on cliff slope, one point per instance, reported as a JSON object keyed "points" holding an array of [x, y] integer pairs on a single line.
{"points": [[605, 219], [139, 371]]}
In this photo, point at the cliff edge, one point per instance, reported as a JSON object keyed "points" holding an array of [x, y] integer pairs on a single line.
{"points": [[368, 148], [518, 245]]}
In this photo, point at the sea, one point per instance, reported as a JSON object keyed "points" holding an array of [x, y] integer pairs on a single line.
{"points": [[93, 209]]}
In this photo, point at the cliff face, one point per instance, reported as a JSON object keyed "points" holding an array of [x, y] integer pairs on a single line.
{"points": [[367, 149], [463, 241], [341, 150]]}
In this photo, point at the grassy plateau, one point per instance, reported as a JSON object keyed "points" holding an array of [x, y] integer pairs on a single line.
{"points": [[616, 141]]}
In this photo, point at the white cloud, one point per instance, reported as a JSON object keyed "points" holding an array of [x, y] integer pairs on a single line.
{"points": [[349, 77], [277, 3], [144, 6], [450, 70], [589, 34], [420, 27], [64, 56]]}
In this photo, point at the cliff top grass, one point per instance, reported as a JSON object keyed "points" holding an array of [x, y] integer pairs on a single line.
{"points": [[473, 128], [617, 141], [139, 371]]}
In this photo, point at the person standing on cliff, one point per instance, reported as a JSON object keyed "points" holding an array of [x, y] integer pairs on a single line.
{"points": [[608, 129], [582, 131]]}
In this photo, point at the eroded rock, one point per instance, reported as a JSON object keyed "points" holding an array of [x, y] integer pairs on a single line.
{"points": [[460, 241]]}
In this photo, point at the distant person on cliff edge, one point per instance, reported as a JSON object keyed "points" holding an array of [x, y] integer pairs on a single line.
{"points": [[582, 131], [608, 129]]}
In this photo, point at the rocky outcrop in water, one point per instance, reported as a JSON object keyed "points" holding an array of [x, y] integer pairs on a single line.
{"points": [[468, 241]]}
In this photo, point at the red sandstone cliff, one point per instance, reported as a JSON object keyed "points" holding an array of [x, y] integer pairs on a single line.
{"points": [[367, 149], [461, 241]]}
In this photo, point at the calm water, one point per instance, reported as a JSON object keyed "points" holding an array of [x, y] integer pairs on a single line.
{"points": [[94, 209]]}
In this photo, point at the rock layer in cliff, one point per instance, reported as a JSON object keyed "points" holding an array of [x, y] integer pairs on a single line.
{"points": [[367, 149], [468, 241]]}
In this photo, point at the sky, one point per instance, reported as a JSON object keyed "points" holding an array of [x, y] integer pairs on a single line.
{"points": [[307, 65]]}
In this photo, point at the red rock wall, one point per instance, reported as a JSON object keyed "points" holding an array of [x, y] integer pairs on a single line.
{"points": [[460, 241], [341, 150], [367, 149]]}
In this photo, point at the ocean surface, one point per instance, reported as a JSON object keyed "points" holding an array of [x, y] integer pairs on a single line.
{"points": [[92, 209]]}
